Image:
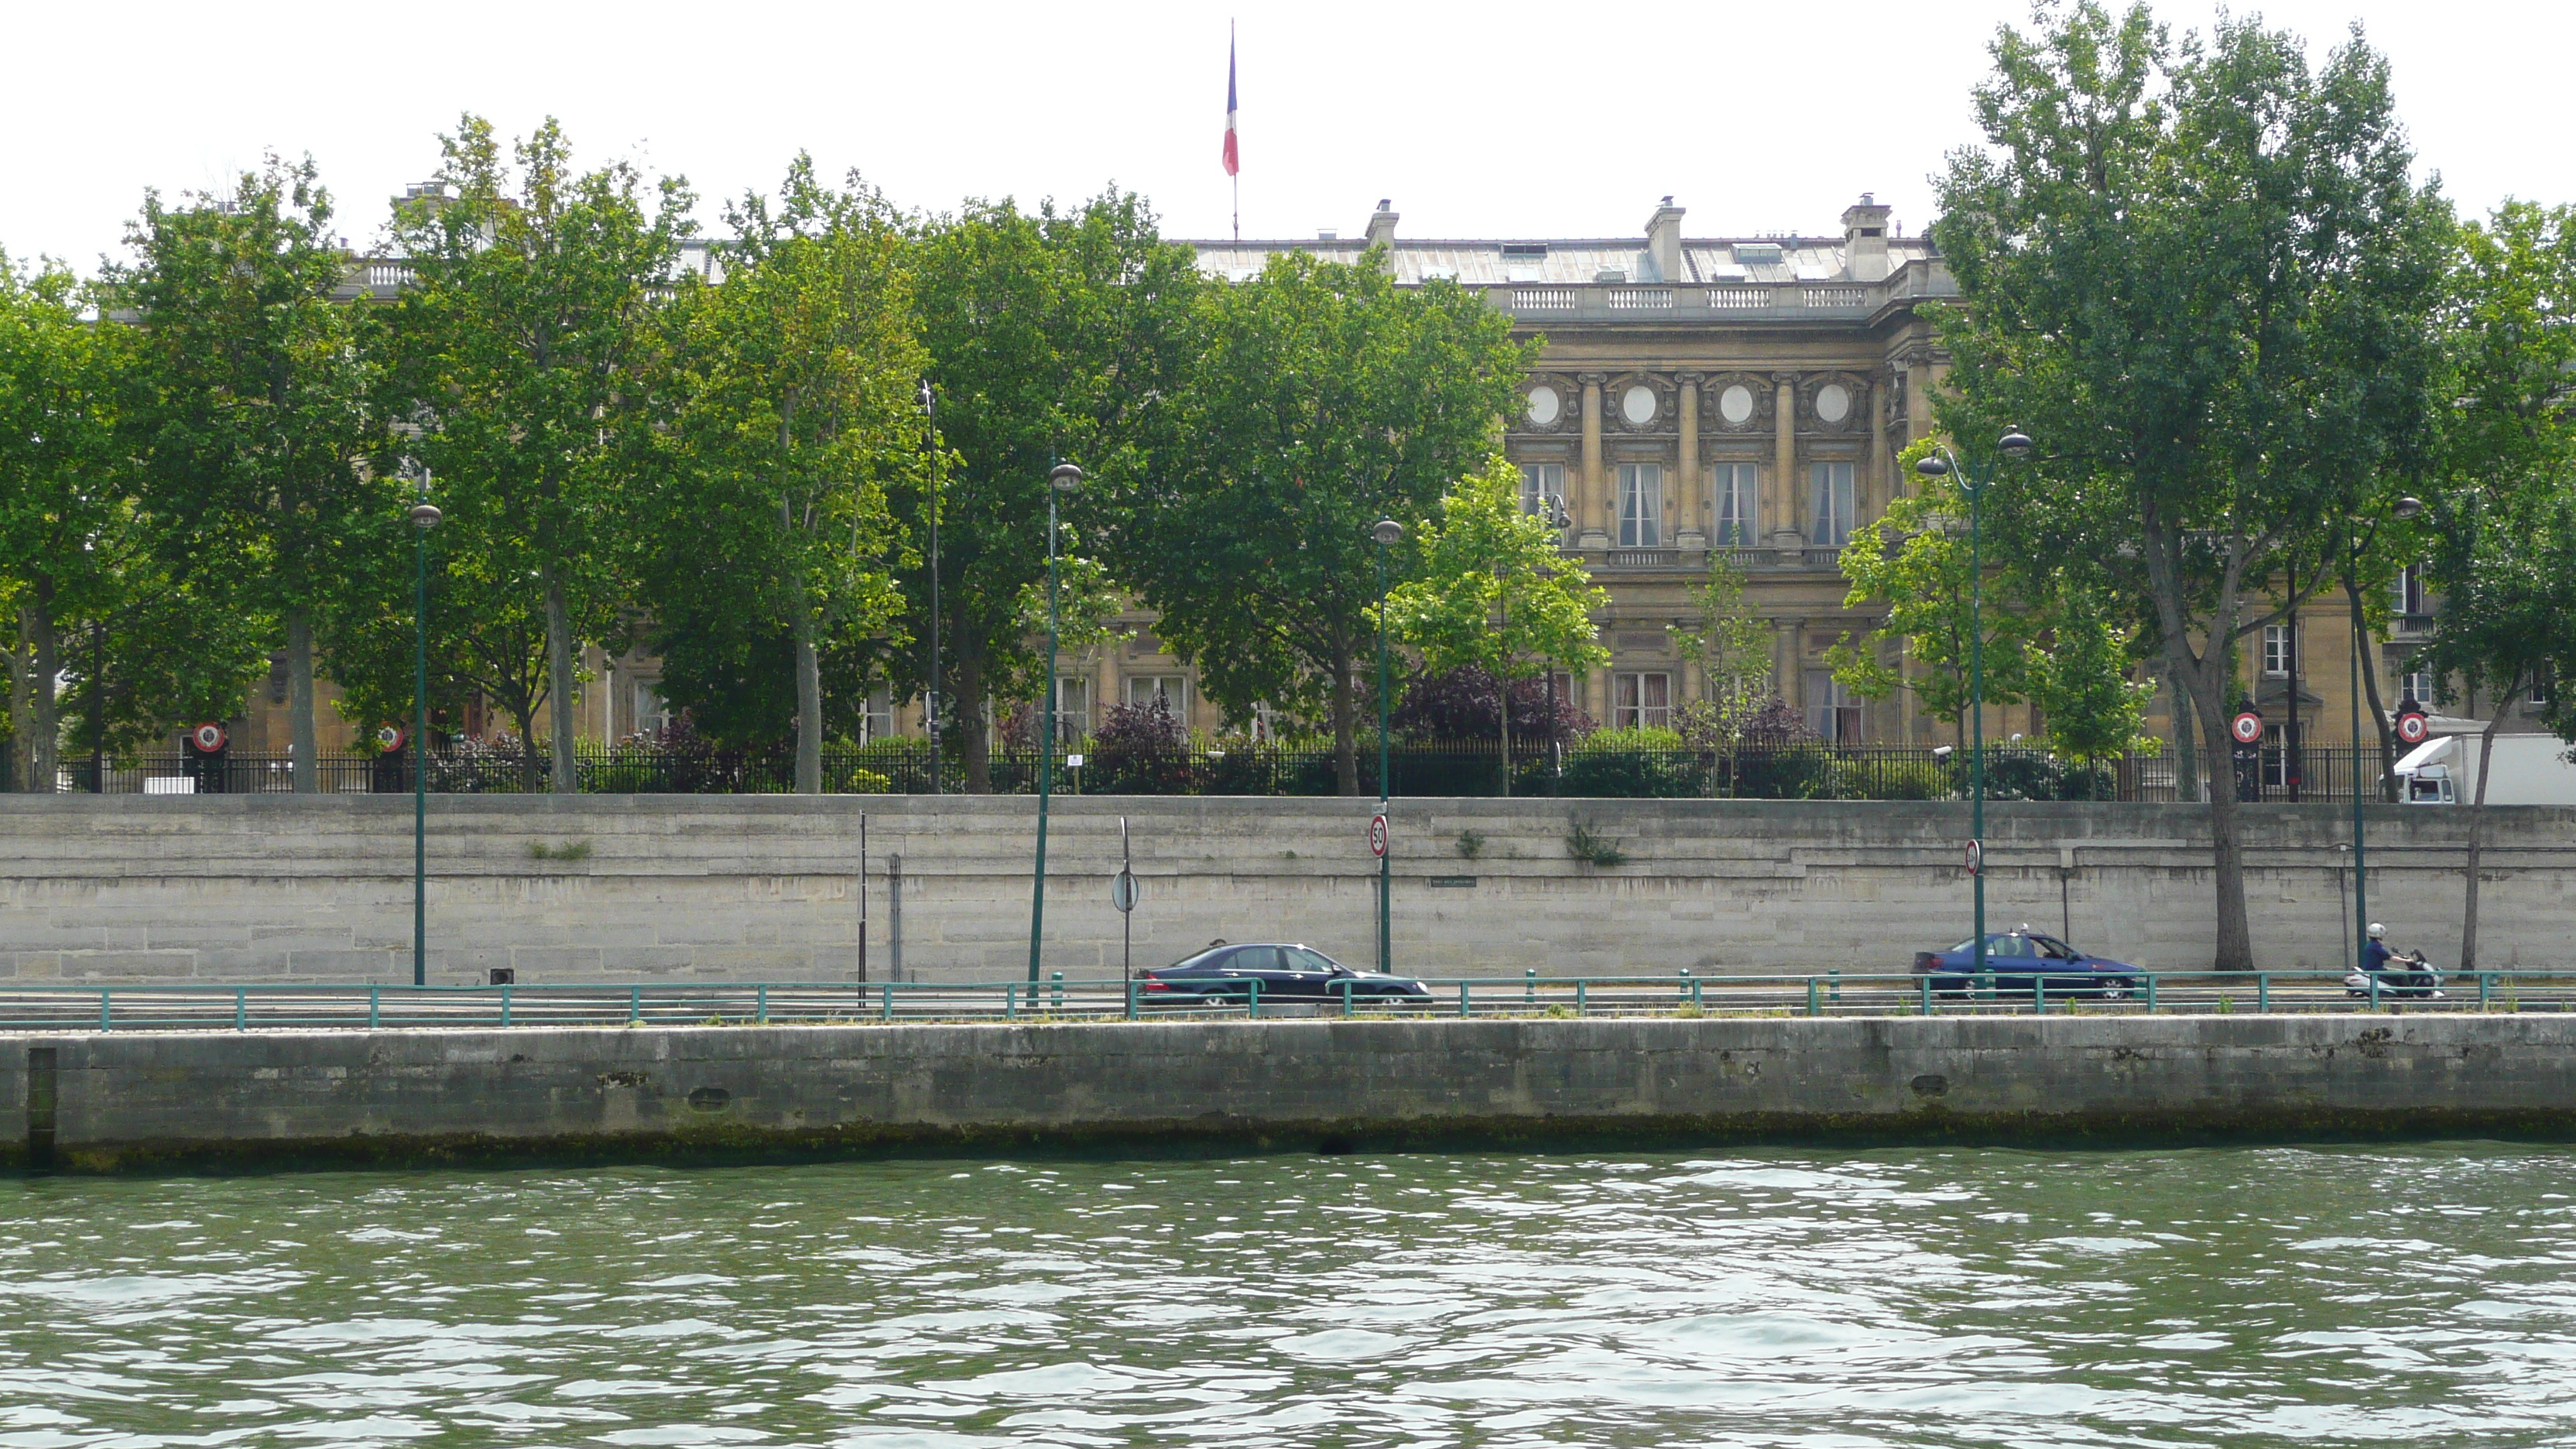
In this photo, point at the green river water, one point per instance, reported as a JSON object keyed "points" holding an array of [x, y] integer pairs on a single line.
{"points": [[2423, 1295]]}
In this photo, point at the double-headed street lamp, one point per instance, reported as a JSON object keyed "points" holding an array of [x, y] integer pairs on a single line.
{"points": [[1064, 479], [2402, 508], [1973, 480], [1387, 532], [424, 517]]}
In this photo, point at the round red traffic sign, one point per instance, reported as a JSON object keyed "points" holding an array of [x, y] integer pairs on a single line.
{"points": [[2248, 728], [1377, 834], [390, 738], [2412, 728], [208, 738], [1976, 857]]}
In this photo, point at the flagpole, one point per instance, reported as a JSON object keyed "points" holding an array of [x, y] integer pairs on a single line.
{"points": [[1233, 166]]}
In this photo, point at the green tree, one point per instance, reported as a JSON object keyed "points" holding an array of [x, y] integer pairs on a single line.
{"points": [[1493, 590], [2079, 676], [1913, 562], [2199, 275], [527, 347], [260, 423], [1053, 336], [791, 390], [2504, 517], [1321, 397]]}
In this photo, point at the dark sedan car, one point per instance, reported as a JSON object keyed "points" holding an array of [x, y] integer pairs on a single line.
{"points": [[2017, 959], [1287, 973]]}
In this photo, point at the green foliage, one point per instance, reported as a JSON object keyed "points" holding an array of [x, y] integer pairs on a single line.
{"points": [[1471, 843], [1592, 848], [1492, 590], [527, 354], [569, 850], [1630, 740], [2080, 676], [1732, 646], [1320, 398]]}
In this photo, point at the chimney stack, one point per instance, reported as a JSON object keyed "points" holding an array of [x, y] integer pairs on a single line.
{"points": [[1381, 224], [1664, 242], [1865, 240]]}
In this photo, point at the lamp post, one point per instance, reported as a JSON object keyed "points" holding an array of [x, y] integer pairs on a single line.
{"points": [[1972, 481], [1064, 479], [929, 399], [424, 517], [1552, 508], [1386, 531], [2403, 508]]}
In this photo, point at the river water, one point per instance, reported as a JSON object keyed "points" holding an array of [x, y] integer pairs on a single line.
{"points": [[2423, 1295]]}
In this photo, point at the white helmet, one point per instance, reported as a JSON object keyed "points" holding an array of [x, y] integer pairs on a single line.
{"points": [[2378, 931]]}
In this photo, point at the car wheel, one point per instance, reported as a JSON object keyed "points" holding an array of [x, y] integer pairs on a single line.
{"points": [[2118, 988]]}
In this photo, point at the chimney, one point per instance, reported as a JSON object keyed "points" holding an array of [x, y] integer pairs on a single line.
{"points": [[1865, 240], [1381, 224], [1664, 242]]}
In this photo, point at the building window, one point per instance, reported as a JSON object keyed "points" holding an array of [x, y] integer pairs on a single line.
{"points": [[2416, 684], [876, 715], [2406, 592], [1833, 714], [1641, 701], [1072, 708], [1641, 505], [1172, 689], [1735, 492], [2276, 651], [1542, 480], [1832, 505], [652, 716]]}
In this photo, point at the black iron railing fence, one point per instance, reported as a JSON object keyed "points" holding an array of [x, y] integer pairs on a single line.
{"points": [[1783, 772]]}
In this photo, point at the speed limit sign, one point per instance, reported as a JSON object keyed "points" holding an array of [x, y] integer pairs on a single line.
{"points": [[208, 738], [2412, 728], [2248, 728], [1377, 834], [1976, 857]]}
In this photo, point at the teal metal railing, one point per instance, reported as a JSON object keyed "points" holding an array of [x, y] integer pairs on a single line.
{"points": [[1059, 999]]}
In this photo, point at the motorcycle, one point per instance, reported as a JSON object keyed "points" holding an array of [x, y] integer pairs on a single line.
{"points": [[2403, 976]]}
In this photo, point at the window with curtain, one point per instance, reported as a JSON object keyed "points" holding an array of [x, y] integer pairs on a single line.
{"points": [[1735, 493], [876, 716], [1833, 712], [1641, 505], [1831, 508], [1541, 480], [1143, 689], [1072, 707], [1641, 701]]}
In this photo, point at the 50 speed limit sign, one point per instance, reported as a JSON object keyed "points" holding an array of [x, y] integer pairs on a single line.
{"points": [[1377, 834]]}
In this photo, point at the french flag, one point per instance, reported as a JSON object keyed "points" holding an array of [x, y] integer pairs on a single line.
{"points": [[1233, 159]]}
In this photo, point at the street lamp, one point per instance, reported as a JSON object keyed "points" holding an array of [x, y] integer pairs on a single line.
{"points": [[1552, 509], [424, 517], [1064, 479], [929, 400], [2402, 508], [1973, 481], [1387, 532]]}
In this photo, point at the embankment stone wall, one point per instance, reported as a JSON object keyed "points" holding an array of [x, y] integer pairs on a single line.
{"points": [[130, 1099], [256, 888]]}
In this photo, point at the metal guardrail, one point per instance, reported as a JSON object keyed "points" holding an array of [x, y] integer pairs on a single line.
{"points": [[1684, 994]]}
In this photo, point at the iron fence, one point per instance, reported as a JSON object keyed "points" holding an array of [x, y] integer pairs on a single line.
{"points": [[1805, 771], [198, 1007]]}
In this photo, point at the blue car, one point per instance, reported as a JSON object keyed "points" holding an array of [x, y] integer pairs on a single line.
{"points": [[2018, 960]]}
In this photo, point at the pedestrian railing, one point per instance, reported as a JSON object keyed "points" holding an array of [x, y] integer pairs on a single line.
{"points": [[1057, 999]]}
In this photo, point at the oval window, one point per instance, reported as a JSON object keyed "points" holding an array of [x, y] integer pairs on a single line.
{"points": [[1833, 402], [1735, 404], [1545, 407], [1637, 405]]}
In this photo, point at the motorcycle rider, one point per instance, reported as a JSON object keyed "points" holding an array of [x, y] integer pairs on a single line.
{"points": [[2375, 952]]}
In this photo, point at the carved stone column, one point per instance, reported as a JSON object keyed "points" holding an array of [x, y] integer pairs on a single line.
{"points": [[1592, 513], [1782, 506], [1918, 394], [1874, 489], [1690, 519]]}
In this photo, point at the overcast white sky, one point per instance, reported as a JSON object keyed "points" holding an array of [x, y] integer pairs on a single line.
{"points": [[1565, 119]]}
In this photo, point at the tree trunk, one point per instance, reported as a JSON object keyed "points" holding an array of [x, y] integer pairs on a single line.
{"points": [[566, 777], [1506, 697], [965, 704], [1346, 761], [2186, 727], [2235, 945], [525, 712], [2478, 827], [299, 702], [809, 708], [40, 724], [2370, 690]]}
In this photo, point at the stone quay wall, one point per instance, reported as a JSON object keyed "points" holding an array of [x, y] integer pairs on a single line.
{"points": [[124, 889], [128, 1100]]}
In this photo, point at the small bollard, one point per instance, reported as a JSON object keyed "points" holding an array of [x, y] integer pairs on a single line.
{"points": [[1811, 997], [1529, 985], [1834, 984], [1057, 979]]}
